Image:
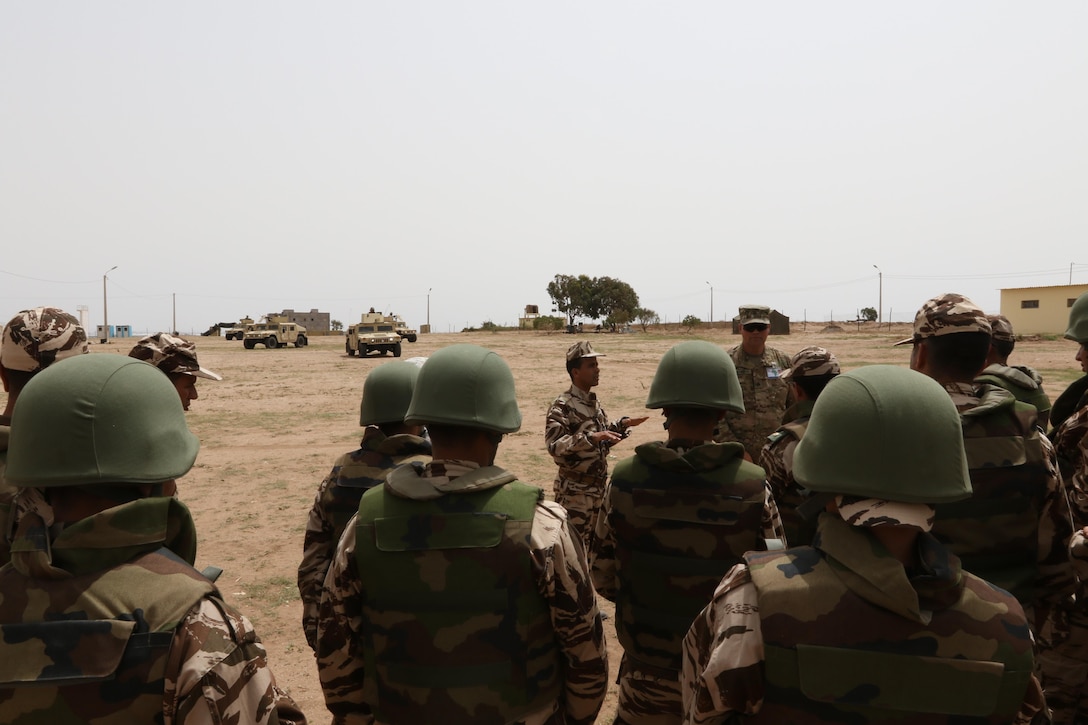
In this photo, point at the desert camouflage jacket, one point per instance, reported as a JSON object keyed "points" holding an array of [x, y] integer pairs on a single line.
{"points": [[1018, 510], [572, 417], [562, 579], [336, 502], [1023, 382], [766, 398], [776, 459], [677, 517], [868, 610], [132, 561]]}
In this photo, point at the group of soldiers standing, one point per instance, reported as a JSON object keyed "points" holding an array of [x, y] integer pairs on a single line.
{"points": [[805, 545]]}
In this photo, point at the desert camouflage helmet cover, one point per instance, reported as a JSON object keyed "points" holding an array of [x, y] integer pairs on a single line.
{"points": [[582, 349], [36, 338], [948, 314], [171, 354], [812, 361], [755, 314]]}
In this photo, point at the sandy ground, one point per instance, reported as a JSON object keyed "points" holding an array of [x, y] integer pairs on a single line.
{"points": [[272, 427]]}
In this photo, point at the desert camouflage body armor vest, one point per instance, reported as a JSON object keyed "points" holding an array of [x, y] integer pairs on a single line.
{"points": [[832, 656], [995, 532], [453, 619], [93, 647], [676, 536]]}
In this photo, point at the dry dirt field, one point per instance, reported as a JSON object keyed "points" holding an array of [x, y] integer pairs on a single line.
{"points": [[272, 428]]}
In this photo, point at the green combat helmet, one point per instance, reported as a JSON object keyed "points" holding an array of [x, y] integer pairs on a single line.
{"points": [[884, 432], [99, 419], [387, 393], [696, 374], [465, 385], [1078, 320]]}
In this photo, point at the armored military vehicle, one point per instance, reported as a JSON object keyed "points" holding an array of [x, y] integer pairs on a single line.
{"points": [[373, 333], [274, 332], [238, 332], [402, 328]]}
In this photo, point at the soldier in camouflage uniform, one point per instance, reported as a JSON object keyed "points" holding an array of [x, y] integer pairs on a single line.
{"points": [[176, 357], [102, 616], [1065, 661], [1014, 530], [1020, 380], [458, 594], [810, 371], [875, 622], [387, 443], [676, 517], [32, 340], [766, 395], [578, 436]]}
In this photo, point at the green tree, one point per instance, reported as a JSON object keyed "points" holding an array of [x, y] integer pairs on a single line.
{"points": [[691, 322], [571, 295], [868, 314], [336, 325], [613, 300], [646, 317], [595, 298]]}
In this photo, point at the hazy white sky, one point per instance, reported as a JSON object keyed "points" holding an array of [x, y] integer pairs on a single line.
{"points": [[252, 156]]}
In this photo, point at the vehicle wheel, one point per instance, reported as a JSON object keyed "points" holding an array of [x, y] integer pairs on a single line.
{"points": [[271, 343], [349, 349], [300, 341], [249, 344], [364, 350], [396, 350]]}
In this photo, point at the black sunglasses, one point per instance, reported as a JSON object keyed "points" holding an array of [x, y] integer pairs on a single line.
{"points": [[755, 327]]}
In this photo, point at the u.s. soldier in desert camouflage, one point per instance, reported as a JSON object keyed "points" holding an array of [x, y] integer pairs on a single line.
{"points": [[387, 443], [676, 517], [1020, 380], [32, 340], [759, 369], [458, 594], [1015, 528], [176, 357], [811, 369], [102, 616], [578, 436], [875, 622]]}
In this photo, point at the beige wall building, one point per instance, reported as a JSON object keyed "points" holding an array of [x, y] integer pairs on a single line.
{"points": [[1040, 310]]}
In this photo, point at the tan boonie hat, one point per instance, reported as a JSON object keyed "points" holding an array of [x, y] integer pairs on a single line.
{"points": [[171, 355], [579, 350], [872, 512], [35, 339], [755, 313], [946, 315], [812, 361], [1001, 328]]}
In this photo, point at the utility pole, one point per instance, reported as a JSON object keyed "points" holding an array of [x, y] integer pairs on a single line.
{"points": [[880, 296], [711, 302], [104, 338]]}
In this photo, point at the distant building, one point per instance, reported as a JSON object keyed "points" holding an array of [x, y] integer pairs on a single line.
{"points": [[313, 320], [1040, 310]]}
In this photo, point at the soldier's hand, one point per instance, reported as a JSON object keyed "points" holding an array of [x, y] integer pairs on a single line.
{"points": [[632, 422], [606, 436]]}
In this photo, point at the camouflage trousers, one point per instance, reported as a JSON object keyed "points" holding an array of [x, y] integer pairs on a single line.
{"points": [[648, 698], [1063, 661], [582, 498]]}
